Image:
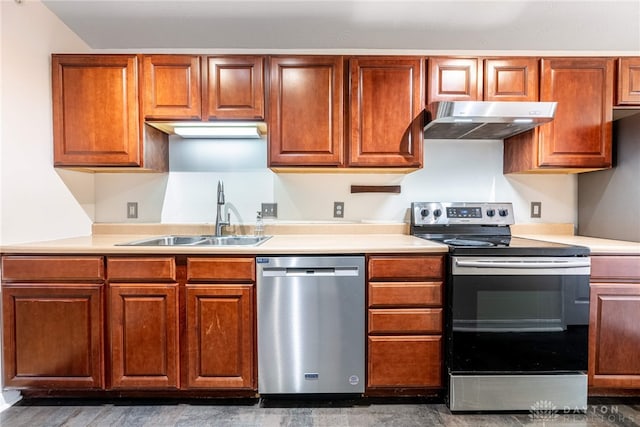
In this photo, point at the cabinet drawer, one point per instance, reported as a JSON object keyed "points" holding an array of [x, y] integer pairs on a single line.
{"points": [[624, 268], [221, 269], [52, 268], [405, 361], [394, 294], [154, 269], [399, 268], [405, 321]]}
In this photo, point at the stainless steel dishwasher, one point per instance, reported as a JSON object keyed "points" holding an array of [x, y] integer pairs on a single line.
{"points": [[311, 321]]}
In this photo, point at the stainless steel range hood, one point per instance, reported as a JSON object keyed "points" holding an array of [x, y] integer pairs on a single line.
{"points": [[485, 120]]}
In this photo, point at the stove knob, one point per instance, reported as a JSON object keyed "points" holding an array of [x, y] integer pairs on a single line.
{"points": [[503, 212], [437, 212], [424, 212], [491, 212]]}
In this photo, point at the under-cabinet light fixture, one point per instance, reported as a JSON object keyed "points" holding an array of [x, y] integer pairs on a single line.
{"points": [[217, 131]]}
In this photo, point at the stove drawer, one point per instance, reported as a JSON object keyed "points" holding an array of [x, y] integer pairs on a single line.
{"points": [[402, 294], [405, 321]]}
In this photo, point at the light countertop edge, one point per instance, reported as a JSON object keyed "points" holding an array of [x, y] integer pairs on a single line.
{"points": [[277, 244], [596, 245]]}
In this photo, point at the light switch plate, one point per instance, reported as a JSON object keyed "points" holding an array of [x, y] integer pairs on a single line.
{"points": [[269, 210], [132, 210], [536, 209]]}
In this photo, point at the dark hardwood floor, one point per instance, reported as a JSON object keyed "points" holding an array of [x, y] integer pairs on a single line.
{"points": [[268, 412]]}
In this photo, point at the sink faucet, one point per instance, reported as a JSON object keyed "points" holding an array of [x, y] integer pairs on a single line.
{"points": [[220, 202]]}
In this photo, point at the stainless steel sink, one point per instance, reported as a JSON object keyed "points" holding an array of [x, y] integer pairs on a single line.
{"points": [[233, 241], [204, 240]]}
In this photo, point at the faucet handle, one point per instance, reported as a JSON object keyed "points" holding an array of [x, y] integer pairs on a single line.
{"points": [[220, 192]]}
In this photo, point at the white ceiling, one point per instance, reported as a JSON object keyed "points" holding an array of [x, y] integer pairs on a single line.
{"points": [[428, 25]]}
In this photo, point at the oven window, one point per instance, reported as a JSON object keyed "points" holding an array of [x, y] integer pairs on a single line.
{"points": [[518, 323], [508, 303]]}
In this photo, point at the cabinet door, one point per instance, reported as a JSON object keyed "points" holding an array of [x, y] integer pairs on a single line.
{"points": [[580, 133], [306, 111], [53, 336], [511, 79], [454, 79], [579, 138], [172, 87], [405, 361], [233, 87], [628, 81], [95, 110], [220, 336], [143, 321], [614, 337], [386, 111]]}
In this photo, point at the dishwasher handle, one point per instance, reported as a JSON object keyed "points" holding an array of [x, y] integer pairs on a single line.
{"points": [[309, 271]]}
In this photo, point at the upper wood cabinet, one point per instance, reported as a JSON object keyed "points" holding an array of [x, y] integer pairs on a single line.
{"points": [[386, 101], [233, 87], [628, 81], [306, 111], [192, 87], [454, 79], [96, 120], [580, 136], [171, 87], [511, 79], [478, 79]]}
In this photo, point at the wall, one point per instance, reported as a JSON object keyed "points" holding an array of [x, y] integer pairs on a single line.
{"points": [[453, 171], [609, 201], [40, 203], [37, 202]]}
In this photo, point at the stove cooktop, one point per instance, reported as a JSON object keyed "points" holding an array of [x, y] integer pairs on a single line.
{"points": [[480, 229]]}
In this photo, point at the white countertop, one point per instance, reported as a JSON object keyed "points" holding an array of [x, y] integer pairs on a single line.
{"points": [[307, 238], [278, 244], [597, 246]]}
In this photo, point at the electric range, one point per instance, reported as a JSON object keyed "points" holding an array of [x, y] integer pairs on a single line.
{"points": [[516, 310]]}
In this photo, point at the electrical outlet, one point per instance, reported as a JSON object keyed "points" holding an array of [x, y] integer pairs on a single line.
{"points": [[132, 209], [536, 209], [269, 210], [338, 209]]}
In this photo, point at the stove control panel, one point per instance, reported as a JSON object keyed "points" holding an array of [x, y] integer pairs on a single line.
{"points": [[489, 213]]}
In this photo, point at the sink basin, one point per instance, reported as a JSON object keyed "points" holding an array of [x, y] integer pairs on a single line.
{"points": [[232, 241], [203, 240]]}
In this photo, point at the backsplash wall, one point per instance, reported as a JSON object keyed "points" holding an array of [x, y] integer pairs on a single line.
{"points": [[453, 171]]}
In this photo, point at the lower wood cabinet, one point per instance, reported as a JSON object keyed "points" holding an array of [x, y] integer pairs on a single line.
{"points": [[53, 336], [144, 344], [614, 336], [143, 322], [220, 336], [405, 323], [52, 322], [129, 324], [405, 361]]}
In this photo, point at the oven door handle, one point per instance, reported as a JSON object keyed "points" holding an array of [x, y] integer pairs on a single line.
{"points": [[523, 264]]}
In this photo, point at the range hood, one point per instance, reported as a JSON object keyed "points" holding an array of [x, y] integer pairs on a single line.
{"points": [[485, 120]]}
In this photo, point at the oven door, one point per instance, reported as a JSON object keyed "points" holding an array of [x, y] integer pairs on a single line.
{"points": [[518, 315]]}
